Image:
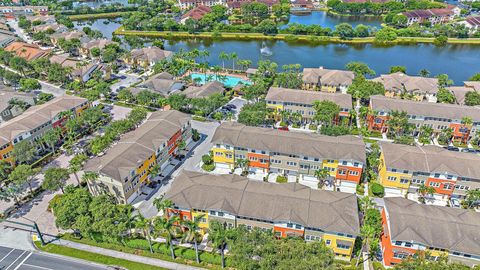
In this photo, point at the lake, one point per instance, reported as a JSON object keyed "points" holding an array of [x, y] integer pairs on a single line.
{"points": [[98, 3], [100, 25], [458, 61], [327, 20]]}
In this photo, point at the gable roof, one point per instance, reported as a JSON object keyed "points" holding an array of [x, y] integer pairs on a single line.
{"points": [[97, 43], [37, 115], [197, 12], [7, 94], [150, 54], [307, 97], [473, 20], [305, 144], [430, 109], [434, 226], [209, 88], [161, 83], [136, 146], [430, 158], [399, 81], [291, 202], [328, 76]]}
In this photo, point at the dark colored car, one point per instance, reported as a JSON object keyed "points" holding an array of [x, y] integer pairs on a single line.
{"points": [[453, 148]]}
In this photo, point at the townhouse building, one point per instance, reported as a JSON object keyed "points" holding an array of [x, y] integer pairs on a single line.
{"points": [[290, 153], [300, 101], [327, 80], [286, 209], [403, 169], [35, 121], [86, 48], [125, 167], [146, 57], [438, 116], [418, 88], [187, 4], [410, 228], [10, 110]]}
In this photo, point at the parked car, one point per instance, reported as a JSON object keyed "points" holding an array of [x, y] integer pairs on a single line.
{"points": [[283, 128], [469, 150], [453, 148]]}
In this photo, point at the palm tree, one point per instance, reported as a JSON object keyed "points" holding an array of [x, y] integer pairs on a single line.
{"points": [[192, 227], [425, 134], [366, 203], [75, 165], [218, 234], [467, 121], [90, 177], [424, 73], [233, 56], [51, 137], [154, 171], [321, 175], [242, 163], [424, 190], [145, 225], [223, 56], [162, 225], [162, 204]]}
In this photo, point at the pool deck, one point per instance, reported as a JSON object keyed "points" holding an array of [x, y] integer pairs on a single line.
{"points": [[240, 76]]}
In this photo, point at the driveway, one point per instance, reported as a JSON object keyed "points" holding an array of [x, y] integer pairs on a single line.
{"points": [[119, 112], [207, 129], [19, 31], [239, 103], [127, 81]]}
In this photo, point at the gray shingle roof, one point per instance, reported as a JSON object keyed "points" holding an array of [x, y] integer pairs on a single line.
{"points": [[431, 158], [307, 97], [439, 110], [399, 81], [205, 90], [434, 226], [292, 202], [305, 144], [136, 146], [36, 116]]}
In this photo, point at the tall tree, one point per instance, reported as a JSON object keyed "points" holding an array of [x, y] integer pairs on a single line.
{"points": [[23, 174], [326, 111], [75, 165], [55, 178], [166, 226], [145, 225], [218, 235], [192, 234], [23, 152], [51, 137]]}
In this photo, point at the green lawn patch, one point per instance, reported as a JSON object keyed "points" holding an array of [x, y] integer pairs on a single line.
{"points": [[94, 257]]}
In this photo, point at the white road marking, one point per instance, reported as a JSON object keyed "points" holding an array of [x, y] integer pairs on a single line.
{"points": [[29, 254], [7, 255], [36, 266], [15, 260]]}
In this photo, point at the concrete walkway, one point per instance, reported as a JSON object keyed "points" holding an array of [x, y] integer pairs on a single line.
{"points": [[125, 256]]}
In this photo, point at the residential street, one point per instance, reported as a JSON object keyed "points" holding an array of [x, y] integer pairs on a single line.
{"points": [[129, 80]]}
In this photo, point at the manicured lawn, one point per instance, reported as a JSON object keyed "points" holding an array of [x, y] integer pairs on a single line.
{"points": [[94, 257]]}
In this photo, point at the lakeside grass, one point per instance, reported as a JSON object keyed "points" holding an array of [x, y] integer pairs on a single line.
{"points": [[94, 257], [80, 17], [285, 37]]}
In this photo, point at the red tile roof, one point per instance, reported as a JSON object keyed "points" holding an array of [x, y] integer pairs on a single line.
{"points": [[197, 13], [473, 20], [25, 50]]}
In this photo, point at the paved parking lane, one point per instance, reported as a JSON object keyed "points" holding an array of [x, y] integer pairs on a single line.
{"points": [[16, 259]]}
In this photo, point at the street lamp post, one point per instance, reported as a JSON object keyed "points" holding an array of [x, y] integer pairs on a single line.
{"points": [[34, 226]]}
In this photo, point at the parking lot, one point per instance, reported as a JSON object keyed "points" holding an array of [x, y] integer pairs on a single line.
{"points": [[17, 259]]}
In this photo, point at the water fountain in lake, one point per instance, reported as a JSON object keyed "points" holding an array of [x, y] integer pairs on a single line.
{"points": [[265, 51]]}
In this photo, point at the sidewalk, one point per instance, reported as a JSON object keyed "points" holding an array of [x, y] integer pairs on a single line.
{"points": [[125, 256]]}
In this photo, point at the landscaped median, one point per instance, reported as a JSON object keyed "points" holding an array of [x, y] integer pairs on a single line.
{"points": [[286, 37], [94, 257], [79, 17], [140, 247]]}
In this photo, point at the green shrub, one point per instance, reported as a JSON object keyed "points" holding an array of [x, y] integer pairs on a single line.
{"points": [[281, 179], [283, 124], [207, 159], [296, 125], [360, 189], [378, 266], [208, 167], [138, 244], [312, 127], [377, 189]]}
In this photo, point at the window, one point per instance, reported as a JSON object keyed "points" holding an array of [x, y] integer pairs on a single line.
{"points": [[221, 214], [341, 246], [342, 172], [400, 255], [218, 154], [392, 178], [398, 243], [328, 242], [408, 244], [434, 184], [298, 227], [354, 173], [289, 225], [403, 181]]}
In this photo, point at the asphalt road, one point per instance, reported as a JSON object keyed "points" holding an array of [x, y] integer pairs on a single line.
{"points": [[16, 259]]}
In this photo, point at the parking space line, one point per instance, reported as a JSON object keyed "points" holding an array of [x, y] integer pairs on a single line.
{"points": [[36, 266], [29, 254], [7, 255], [15, 260]]}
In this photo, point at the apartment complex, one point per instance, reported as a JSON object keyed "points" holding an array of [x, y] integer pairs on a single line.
{"points": [[410, 228], [432, 16], [327, 80], [301, 101], [286, 209], [125, 167], [419, 88], [290, 153], [405, 168], [35, 121], [146, 57], [435, 115]]}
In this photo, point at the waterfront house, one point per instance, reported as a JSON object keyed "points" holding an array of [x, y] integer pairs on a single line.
{"points": [[10, 110], [295, 154], [419, 88], [162, 83], [472, 23], [327, 80], [287, 209], [438, 116], [27, 51], [125, 167], [301, 101], [404, 168], [86, 48], [42, 19], [209, 88], [146, 57], [188, 4], [410, 228], [36, 120], [432, 16], [80, 35]]}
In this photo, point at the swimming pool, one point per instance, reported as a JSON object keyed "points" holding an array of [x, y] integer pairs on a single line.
{"points": [[230, 81]]}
